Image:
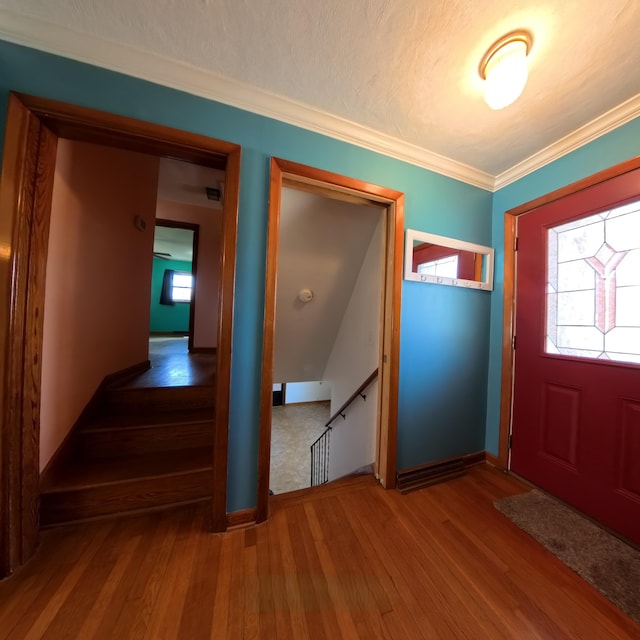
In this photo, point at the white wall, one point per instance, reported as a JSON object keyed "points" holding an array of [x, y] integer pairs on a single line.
{"points": [[307, 392], [353, 358], [353, 440], [322, 245]]}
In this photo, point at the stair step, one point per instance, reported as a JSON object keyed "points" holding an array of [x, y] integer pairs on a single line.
{"points": [[121, 417], [161, 398], [95, 443], [111, 487]]}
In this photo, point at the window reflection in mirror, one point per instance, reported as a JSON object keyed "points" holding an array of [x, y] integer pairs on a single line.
{"points": [[440, 260]]}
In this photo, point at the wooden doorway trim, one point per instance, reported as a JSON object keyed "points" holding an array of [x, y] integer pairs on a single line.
{"points": [[176, 224], [508, 319], [28, 165], [284, 172]]}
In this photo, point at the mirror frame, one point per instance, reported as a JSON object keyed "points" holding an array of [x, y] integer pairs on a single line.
{"points": [[421, 236]]}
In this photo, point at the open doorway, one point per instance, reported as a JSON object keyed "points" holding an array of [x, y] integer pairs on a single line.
{"points": [[172, 303], [285, 174], [34, 126], [327, 337]]}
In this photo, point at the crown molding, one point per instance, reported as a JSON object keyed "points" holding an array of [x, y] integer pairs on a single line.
{"points": [[599, 126], [58, 40]]}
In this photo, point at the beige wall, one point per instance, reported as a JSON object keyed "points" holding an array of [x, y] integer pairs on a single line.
{"points": [[96, 318], [208, 276]]}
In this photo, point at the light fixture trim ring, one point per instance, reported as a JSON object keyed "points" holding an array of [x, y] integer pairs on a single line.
{"points": [[519, 35]]}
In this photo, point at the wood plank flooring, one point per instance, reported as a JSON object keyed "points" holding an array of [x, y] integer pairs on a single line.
{"points": [[347, 560], [173, 366]]}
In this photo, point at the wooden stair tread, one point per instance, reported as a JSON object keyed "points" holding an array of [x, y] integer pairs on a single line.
{"points": [[121, 419], [81, 475], [153, 398], [127, 388]]}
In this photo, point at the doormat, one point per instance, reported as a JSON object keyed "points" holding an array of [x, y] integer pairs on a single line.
{"points": [[606, 562]]}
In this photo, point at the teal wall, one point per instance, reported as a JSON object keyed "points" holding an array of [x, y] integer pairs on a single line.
{"points": [[615, 147], [165, 317], [444, 330]]}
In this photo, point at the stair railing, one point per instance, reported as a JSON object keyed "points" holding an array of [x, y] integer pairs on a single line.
{"points": [[320, 448], [320, 459]]}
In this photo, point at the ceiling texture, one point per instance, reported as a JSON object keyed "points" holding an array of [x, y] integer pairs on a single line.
{"points": [[397, 77]]}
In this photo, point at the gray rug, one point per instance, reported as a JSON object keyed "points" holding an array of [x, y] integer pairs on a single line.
{"points": [[606, 562]]}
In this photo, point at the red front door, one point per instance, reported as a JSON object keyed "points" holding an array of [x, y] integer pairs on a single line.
{"points": [[576, 413]]}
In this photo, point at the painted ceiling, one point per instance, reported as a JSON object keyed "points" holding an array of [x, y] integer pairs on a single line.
{"points": [[400, 75]]}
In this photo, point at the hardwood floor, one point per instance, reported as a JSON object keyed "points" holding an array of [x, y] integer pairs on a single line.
{"points": [[173, 366], [345, 560]]}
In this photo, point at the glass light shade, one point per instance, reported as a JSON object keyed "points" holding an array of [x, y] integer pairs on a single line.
{"points": [[506, 75]]}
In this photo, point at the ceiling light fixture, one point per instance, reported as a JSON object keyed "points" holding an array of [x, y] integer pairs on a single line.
{"points": [[305, 295], [504, 68]]}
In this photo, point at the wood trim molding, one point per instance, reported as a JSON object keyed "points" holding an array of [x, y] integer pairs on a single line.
{"points": [[508, 318], [100, 127], [320, 181], [244, 518], [209, 350], [493, 461], [428, 474], [391, 369], [425, 475], [26, 182], [19, 444], [472, 459], [266, 390], [225, 326], [123, 375]]}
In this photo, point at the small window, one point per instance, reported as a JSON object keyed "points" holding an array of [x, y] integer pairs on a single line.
{"points": [[181, 286], [443, 267], [177, 286]]}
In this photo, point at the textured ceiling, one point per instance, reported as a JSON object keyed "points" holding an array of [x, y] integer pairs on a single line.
{"points": [[407, 68]]}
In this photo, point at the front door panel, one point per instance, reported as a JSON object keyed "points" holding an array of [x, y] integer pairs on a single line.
{"points": [[576, 414]]}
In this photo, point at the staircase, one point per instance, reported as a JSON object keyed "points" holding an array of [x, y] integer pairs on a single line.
{"points": [[143, 448]]}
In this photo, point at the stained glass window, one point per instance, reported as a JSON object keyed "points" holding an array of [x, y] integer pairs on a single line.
{"points": [[593, 286]]}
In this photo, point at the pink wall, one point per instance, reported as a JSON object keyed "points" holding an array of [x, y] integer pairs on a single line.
{"points": [[96, 318], [207, 279]]}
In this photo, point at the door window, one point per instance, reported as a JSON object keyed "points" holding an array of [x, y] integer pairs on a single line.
{"points": [[593, 286]]}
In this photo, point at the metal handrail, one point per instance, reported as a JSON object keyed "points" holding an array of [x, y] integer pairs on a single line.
{"points": [[320, 448], [352, 397]]}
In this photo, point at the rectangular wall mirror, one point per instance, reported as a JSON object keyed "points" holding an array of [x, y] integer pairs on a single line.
{"points": [[441, 260]]}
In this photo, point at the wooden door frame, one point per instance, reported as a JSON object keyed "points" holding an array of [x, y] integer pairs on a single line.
{"points": [[508, 318], [190, 226], [28, 167], [286, 173]]}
